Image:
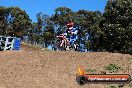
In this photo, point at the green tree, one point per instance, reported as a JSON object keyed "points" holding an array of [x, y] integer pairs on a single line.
{"points": [[14, 22], [32, 33], [3, 22], [48, 35], [42, 31], [60, 18], [89, 29], [117, 26]]}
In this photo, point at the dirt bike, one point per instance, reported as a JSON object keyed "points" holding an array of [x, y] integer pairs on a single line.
{"points": [[74, 46], [58, 43]]}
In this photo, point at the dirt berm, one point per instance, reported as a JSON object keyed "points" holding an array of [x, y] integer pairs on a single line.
{"points": [[35, 68]]}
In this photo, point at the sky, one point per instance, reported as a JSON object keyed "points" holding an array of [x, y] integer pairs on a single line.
{"points": [[32, 7]]}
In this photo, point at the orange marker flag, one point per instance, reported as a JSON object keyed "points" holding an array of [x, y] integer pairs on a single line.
{"points": [[80, 70]]}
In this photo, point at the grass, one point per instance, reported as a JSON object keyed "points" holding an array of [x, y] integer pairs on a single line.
{"points": [[112, 68], [91, 70], [113, 86], [129, 58], [130, 84]]}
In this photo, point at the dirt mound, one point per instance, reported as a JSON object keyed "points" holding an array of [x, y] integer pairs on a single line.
{"points": [[36, 68]]}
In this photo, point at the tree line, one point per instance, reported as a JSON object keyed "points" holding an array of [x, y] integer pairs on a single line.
{"points": [[108, 31]]}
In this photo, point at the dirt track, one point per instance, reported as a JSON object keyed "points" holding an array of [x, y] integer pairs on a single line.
{"points": [[29, 68]]}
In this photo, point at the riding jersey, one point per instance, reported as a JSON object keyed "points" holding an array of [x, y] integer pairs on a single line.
{"points": [[74, 35]]}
